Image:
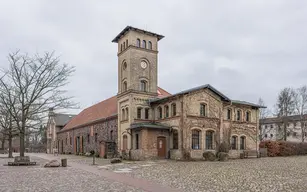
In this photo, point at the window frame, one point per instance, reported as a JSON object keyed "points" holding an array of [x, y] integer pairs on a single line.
{"points": [[144, 44], [196, 137], [88, 138], [96, 137], [139, 112], [209, 141], [138, 42], [166, 111], [150, 45], [248, 116], [242, 144], [143, 85], [146, 113], [234, 142], [174, 110], [239, 115], [203, 110], [229, 114], [160, 112]]}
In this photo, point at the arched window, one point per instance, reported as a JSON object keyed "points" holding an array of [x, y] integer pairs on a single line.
{"points": [[139, 112], [124, 86], [147, 113], [138, 42], [124, 66], [238, 115], [166, 112], [127, 43], [234, 142], [195, 139], [124, 45], [242, 142], [121, 47], [203, 109], [209, 139], [123, 114], [125, 142], [149, 45], [247, 116], [159, 112], [127, 113], [228, 114], [144, 44], [175, 139], [143, 85], [174, 109]]}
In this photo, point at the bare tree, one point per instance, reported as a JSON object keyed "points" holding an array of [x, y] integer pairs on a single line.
{"points": [[300, 100], [36, 83], [8, 130], [285, 106]]}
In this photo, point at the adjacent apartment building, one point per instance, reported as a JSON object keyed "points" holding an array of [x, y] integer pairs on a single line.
{"points": [[273, 128]]}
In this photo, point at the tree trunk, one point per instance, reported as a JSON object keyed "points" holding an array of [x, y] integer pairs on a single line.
{"points": [[3, 142], [10, 146], [22, 143]]}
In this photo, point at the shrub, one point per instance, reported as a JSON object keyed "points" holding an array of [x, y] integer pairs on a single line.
{"points": [[284, 148], [186, 155], [209, 156], [222, 156], [223, 147], [92, 152]]}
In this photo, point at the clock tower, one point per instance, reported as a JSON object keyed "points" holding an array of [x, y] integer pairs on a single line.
{"points": [[137, 79]]}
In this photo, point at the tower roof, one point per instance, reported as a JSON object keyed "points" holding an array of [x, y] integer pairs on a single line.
{"points": [[129, 28]]}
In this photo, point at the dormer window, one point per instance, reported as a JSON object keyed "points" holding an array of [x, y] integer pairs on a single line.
{"points": [[144, 44], [138, 42]]}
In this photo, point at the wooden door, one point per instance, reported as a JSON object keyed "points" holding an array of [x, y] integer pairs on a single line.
{"points": [[161, 147]]}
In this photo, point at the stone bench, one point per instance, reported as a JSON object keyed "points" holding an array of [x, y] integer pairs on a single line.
{"points": [[21, 161], [250, 153]]}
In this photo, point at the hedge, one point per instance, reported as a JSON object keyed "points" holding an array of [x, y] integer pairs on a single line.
{"points": [[284, 148]]}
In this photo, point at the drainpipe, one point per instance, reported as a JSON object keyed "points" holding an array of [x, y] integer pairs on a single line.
{"points": [[181, 126]]}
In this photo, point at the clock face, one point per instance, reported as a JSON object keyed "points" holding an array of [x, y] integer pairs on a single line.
{"points": [[143, 64]]}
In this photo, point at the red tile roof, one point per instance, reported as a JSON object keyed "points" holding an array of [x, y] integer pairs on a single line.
{"points": [[99, 111]]}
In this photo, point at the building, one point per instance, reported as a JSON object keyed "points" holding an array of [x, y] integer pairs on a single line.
{"points": [[144, 121], [273, 128], [55, 123]]}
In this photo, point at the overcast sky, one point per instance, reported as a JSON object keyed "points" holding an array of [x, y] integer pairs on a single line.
{"points": [[245, 49]]}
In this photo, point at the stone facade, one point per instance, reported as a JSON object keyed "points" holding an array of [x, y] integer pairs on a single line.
{"points": [[149, 122], [92, 137]]}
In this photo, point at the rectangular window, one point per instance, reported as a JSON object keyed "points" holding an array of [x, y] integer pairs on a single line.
{"points": [[202, 110], [234, 142], [111, 135], [247, 118], [88, 138], [195, 139], [139, 113], [159, 113], [229, 114], [166, 111], [146, 113], [238, 115], [136, 141], [96, 137], [174, 109]]}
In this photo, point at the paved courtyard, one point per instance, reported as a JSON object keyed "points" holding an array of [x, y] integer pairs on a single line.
{"points": [[265, 174]]}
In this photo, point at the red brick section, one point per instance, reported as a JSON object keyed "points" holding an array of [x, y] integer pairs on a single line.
{"points": [[101, 110]]}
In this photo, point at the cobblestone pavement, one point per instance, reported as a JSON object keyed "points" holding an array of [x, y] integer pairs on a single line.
{"points": [[264, 174], [37, 178]]}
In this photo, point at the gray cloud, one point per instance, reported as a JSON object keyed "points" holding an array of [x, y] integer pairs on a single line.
{"points": [[246, 49]]}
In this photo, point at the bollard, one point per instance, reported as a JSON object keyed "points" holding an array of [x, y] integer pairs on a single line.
{"points": [[64, 162]]}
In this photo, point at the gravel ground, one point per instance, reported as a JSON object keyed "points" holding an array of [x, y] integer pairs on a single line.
{"points": [[264, 174], [37, 178]]}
